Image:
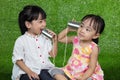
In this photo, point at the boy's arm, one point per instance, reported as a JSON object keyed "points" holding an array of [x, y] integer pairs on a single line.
{"points": [[62, 36], [18, 58], [53, 52], [30, 73]]}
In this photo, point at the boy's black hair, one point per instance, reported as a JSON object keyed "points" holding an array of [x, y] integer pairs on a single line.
{"points": [[98, 23], [29, 13]]}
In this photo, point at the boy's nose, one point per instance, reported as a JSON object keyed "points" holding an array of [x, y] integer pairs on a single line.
{"points": [[44, 24]]}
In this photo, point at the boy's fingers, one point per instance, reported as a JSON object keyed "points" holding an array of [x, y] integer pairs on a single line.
{"points": [[73, 20], [38, 77], [30, 77]]}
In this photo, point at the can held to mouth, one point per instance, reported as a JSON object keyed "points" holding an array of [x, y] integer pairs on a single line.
{"points": [[47, 34]]}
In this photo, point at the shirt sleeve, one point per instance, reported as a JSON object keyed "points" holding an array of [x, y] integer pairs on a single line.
{"points": [[18, 51], [49, 46]]}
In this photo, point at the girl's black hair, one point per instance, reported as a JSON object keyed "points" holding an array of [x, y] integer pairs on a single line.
{"points": [[29, 13], [98, 23]]}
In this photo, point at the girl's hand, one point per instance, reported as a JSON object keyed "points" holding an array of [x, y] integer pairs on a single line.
{"points": [[79, 78], [71, 29], [32, 75]]}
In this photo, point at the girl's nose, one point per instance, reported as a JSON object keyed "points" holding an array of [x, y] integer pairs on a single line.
{"points": [[81, 29]]}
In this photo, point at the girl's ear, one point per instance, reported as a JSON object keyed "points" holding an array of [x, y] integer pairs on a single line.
{"points": [[96, 36], [28, 25]]}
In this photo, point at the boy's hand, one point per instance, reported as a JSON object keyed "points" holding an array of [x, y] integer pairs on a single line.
{"points": [[54, 38], [32, 75], [53, 52]]}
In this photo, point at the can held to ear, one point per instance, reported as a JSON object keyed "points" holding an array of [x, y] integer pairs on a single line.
{"points": [[47, 34], [73, 24]]}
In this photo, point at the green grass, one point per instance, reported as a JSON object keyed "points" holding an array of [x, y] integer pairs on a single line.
{"points": [[59, 12]]}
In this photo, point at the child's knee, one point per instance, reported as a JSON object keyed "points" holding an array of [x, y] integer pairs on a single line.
{"points": [[60, 77]]}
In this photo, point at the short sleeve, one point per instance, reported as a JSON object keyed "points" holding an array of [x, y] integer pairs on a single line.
{"points": [[18, 51]]}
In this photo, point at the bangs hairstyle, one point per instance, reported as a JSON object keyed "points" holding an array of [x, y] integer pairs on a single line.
{"points": [[29, 13], [97, 21]]}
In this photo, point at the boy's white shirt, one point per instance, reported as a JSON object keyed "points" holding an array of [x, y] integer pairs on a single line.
{"points": [[34, 51]]}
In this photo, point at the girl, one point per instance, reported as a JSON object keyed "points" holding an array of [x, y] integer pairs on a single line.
{"points": [[83, 63], [32, 50]]}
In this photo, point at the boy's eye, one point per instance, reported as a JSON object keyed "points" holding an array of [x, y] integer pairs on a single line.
{"points": [[40, 21], [45, 20]]}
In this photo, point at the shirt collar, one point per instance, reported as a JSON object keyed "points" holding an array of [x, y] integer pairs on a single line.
{"points": [[31, 35]]}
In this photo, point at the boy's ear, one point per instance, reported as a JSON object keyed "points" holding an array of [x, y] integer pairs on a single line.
{"points": [[28, 25], [96, 36]]}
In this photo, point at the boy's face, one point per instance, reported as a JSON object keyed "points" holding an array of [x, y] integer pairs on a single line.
{"points": [[36, 26], [86, 31]]}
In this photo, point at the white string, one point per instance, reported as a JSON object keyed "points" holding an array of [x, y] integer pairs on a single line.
{"points": [[65, 50], [53, 54]]}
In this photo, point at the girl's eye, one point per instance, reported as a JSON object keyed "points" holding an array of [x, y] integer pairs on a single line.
{"points": [[81, 25], [88, 30]]}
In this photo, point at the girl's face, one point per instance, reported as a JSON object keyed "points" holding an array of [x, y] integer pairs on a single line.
{"points": [[36, 26], [86, 31]]}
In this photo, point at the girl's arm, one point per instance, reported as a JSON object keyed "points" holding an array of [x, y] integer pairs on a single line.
{"points": [[30, 73], [92, 64], [62, 36]]}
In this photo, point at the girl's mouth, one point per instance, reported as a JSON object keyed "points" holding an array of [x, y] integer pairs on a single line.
{"points": [[81, 35]]}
